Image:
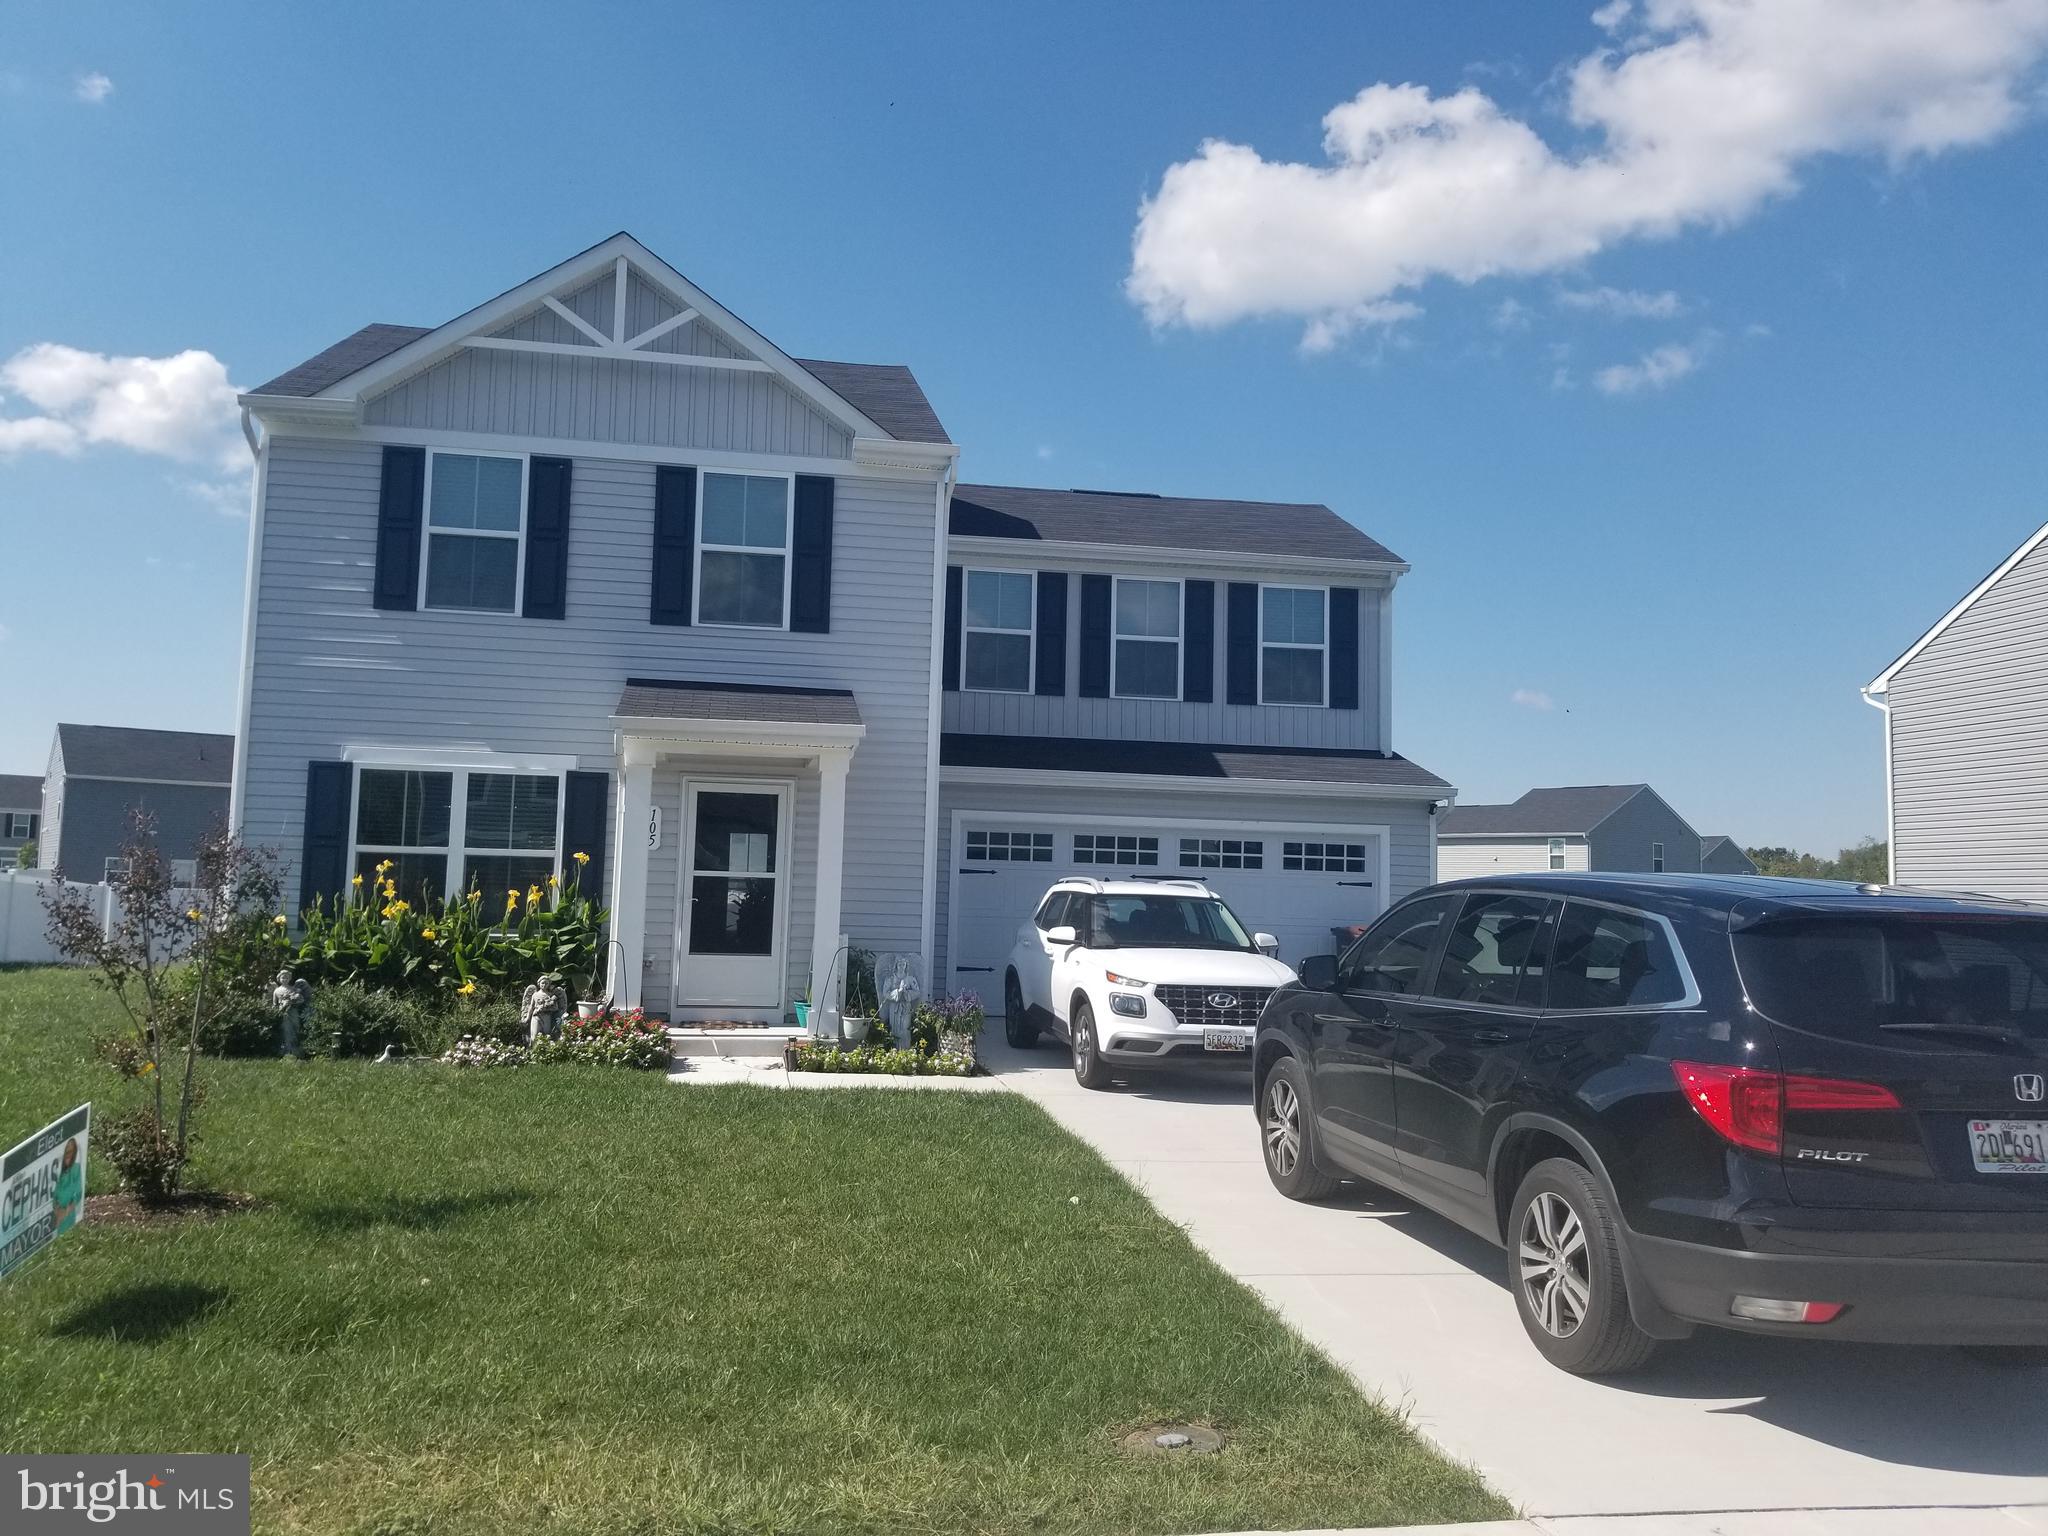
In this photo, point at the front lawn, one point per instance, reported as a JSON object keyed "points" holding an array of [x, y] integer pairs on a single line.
{"points": [[574, 1300]]}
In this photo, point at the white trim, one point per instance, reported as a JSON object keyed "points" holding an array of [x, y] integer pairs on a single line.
{"points": [[784, 791], [661, 328], [1292, 645], [1883, 679], [1179, 638], [619, 301], [576, 320], [736, 737], [245, 702], [969, 545], [117, 778], [617, 354], [1030, 631], [1386, 698], [1321, 829], [701, 544], [1068, 778], [935, 718], [380, 755], [428, 533]]}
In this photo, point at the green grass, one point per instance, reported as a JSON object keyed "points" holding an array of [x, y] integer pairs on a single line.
{"points": [[571, 1300]]}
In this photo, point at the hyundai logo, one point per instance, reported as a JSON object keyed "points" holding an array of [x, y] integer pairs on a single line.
{"points": [[1229, 1000], [2029, 1088]]}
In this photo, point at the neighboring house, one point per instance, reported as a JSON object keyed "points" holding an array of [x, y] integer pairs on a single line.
{"points": [[1724, 856], [1622, 827], [100, 775], [21, 813], [1966, 739], [597, 568]]}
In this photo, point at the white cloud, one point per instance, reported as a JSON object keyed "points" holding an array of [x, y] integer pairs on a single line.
{"points": [[1327, 331], [1045, 450], [1511, 315], [1532, 698], [1694, 113], [1653, 370], [92, 88], [180, 407], [1623, 303]]}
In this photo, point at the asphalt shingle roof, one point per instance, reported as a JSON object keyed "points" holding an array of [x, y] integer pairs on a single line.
{"points": [[1159, 522], [1189, 760], [650, 698], [21, 791], [351, 354], [1561, 812], [123, 752]]}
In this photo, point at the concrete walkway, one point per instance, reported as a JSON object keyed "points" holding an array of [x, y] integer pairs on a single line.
{"points": [[1760, 1435]]}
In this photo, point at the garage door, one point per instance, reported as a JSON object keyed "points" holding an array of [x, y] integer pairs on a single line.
{"points": [[1295, 882]]}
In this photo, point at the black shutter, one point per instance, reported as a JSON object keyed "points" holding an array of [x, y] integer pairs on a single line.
{"points": [[585, 828], [1344, 648], [1095, 637], [949, 664], [1241, 645], [547, 538], [400, 499], [323, 859], [1198, 634], [810, 578], [1052, 633], [675, 543]]}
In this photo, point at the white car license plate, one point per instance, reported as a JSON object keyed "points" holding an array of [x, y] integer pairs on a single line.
{"points": [[2010, 1146], [1226, 1039]]}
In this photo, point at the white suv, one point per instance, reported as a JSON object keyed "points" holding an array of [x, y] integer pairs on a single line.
{"points": [[1138, 973]]}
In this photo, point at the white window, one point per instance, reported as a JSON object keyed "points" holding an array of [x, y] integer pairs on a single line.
{"points": [[1115, 848], [1656, 858], [743, 563], [449, 830], [996, 632], [185, 872], [998, 847], [1147, 644], [476, 517], [1331, 858], [1557, 853], [1221, 853], [21, 824], [114, 868], [1294, 647]]}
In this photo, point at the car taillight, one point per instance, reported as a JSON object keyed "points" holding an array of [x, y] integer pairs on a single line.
{"points": [[1747, 1106]]}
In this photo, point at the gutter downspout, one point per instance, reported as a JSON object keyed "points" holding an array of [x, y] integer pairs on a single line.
{"points": [[943, 508], [238, 792], [1878, 699]]}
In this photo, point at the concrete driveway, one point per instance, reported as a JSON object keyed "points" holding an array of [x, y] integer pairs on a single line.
{"points": [[1419, 1313]]}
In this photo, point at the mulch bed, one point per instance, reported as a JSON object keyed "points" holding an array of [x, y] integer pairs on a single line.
{"points": [[124, 1210]]}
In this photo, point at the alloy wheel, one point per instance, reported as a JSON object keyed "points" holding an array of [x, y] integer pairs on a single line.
{"points": [[1084, 1040], [1283, 1126], [1555, 1265]]}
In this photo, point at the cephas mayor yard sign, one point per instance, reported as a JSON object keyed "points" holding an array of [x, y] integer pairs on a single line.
{"points": [[160, 1495], [42, 1188]]}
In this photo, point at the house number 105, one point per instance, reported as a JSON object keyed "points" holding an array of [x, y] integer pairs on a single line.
{"points": [[653, 827]]}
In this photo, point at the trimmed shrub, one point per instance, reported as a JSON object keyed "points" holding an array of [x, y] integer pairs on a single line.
{"points": [[355, 1021]]}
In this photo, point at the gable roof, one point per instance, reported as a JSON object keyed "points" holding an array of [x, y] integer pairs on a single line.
{"points": [[21, 791], [1710, 845], [1882, 681], [1141, 520], [166, 757], [1570, 810]]}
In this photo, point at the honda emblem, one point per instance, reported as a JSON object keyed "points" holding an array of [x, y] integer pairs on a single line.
{"points": [[2029, 1088]]}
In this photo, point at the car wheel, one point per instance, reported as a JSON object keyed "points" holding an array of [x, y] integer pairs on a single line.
{"points": [[1089, 1071], [1564, 1266], [2009, 1357], [1017, 1026], [1287, 1132]]}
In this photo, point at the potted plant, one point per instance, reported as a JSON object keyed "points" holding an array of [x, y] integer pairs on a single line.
{"points": [[861, 1022]]}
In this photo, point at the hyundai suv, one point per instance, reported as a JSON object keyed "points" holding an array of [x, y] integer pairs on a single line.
{"points": [[1778, 1106], [1138, 974]]}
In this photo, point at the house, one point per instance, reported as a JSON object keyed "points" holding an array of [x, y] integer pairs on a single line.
{"points": [[1966, 738], [21, 813], [1721, 855], [1580, 826], [598, 569], [100, 775]]}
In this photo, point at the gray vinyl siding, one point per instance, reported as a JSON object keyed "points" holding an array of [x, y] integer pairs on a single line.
{"points": [[1622, 842], [331, 670], [98, 820], [1406, 820], [1474, 858], [1728, 859], [594, 400], [1969, 746], [1068, 714]]}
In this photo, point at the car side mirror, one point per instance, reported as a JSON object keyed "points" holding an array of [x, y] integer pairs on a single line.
{"points": [[1319, 973], [1266, 944], [1063, 933]]}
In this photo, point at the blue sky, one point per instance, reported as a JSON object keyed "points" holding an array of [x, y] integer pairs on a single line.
{"points": [[1694, 568]]}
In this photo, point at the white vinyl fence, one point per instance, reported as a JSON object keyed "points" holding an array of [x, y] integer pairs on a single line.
{"points": [[22, 919]]}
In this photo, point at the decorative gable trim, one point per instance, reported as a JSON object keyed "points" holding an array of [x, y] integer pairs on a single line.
{"points": [[1875, 689]]}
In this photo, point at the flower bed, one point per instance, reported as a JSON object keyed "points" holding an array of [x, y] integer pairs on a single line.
{"points": [[885, 1061], [627, 1039]]}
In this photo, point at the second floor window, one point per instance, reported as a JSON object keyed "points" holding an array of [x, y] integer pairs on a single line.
{"points": [[996, 635], [1147, 657], [1293, 644], [474, 518], [20, 824], [743, 550]]}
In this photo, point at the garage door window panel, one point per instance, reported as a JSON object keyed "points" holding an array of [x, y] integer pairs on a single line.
{"points": [[1294, 649], [1147, 656], [1121, 848], [1326, 858], [997, 639], [1221, 853], [996, 846]]}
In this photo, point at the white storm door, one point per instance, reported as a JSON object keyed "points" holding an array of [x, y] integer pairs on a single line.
{"points": [[733, 918]]}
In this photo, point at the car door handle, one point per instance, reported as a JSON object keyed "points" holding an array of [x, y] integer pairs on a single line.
{"points": [[1493, 1036]]}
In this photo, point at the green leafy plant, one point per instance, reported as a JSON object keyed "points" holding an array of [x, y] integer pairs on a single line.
{"points": [[957, 1014], [822, 1056], [25, 855], [612, 1039]]}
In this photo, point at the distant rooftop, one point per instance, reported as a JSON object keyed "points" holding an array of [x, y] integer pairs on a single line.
{"points": [[168, 757], [1566, 811], [1144, 520]]}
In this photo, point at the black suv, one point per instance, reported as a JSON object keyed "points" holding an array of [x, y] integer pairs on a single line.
{"points": [[1781, 1106]]}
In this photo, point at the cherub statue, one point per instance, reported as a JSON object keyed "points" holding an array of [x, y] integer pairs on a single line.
{"points": [[543, 1006], [292, 1001]]}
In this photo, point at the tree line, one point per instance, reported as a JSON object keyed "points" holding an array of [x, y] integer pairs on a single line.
{"points": [[1868, 862]]}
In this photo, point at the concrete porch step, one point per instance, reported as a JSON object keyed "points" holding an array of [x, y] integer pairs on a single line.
{"points": [[750, 1040]]}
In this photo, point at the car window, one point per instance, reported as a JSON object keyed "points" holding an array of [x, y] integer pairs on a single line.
{"points": [[1053, 913], [1168, 922], [1605, 958], [1391, 955], [1494, 952]]}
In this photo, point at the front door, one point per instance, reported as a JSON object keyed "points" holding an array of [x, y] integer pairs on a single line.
{"points": [[729, 930]]}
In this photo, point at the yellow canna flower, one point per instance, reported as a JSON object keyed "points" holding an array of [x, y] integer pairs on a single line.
{"points": [[552, 880], [532, 894], [390, 889], [279, 920], [581, 858], [475, 895], [466, 988], [427, 933], [193, 914], [357, 881], [512, 895], [387, 864]]}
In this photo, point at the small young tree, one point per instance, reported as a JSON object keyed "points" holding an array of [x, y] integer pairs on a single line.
{"points": [[25, 855], [169, 953]]}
